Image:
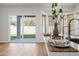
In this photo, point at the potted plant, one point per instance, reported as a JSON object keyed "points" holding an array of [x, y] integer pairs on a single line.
{"points": [[54, 17], [55, 14]]}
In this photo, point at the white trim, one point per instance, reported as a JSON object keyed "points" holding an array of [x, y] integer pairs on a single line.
{"points": [[21, 42], [9, 38]]}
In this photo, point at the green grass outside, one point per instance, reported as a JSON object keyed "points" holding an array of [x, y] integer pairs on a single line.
{"points": [[25, 36]]}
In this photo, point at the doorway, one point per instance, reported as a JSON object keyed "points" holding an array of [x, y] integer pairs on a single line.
{"points": [[23, 28]]}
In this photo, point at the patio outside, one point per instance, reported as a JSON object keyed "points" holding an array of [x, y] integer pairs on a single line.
{"points": [[27, 31]]}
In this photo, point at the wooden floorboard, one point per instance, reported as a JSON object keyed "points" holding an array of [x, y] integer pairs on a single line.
{"points": [[22, 49]]}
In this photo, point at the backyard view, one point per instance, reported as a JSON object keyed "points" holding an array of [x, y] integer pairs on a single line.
{"points": [[27, 27]]}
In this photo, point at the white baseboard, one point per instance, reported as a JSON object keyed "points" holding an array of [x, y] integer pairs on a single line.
{"points": [[21, 42]]}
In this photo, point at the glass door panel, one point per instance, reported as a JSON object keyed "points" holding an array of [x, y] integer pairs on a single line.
{"points": [[15, 27], [29, 27]]}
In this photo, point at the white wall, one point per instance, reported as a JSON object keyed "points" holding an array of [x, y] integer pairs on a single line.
{"points": [[66, 9], [8, 11], [3, 26]]}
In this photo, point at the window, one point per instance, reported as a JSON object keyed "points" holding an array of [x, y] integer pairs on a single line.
{"points": [[50, 20], [44, 23], [29, 21], [69, 17]]}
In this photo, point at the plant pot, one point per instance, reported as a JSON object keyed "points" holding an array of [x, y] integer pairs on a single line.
{"points": [[55, 31]]}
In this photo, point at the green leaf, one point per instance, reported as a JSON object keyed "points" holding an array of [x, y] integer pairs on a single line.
{"points": [[55, 4], [54, 12]]}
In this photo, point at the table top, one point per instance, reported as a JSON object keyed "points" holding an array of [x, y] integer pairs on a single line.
{"points": [[61, 49]]}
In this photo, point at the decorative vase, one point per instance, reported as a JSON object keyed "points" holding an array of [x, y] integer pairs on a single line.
{"points": [[55, 31]]}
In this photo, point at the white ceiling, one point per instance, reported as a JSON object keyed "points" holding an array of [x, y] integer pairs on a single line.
{"points": [[70, 4], [22, 4], [66, 6], [35, 4]]}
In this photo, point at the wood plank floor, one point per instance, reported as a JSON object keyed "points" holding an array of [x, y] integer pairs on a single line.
{"points": [[22, 49]]}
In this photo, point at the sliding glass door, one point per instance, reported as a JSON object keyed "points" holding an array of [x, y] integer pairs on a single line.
{"points": [[29, 27], [22, 28], [15, 27]]}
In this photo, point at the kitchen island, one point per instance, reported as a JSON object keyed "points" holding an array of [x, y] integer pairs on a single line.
{"points": [[74, 45]]}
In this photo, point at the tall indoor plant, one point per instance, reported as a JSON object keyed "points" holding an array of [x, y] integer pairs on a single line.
{"points": [[54, 17]]}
